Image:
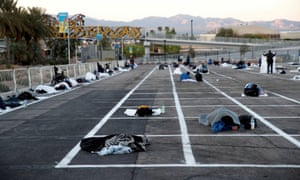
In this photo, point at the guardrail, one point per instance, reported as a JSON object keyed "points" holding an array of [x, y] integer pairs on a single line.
{"points": [[13, 81]]}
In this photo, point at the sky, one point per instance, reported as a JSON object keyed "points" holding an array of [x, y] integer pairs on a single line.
{"points": [[128, 10]]}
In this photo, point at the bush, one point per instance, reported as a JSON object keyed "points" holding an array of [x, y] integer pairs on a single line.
{"points": [[57, 61]]}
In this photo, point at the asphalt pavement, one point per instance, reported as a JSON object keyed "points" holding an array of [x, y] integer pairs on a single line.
{"points": [[41, 141]]}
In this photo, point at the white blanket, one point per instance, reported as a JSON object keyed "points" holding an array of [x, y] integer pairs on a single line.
{"points": [[114, 149], [261, 94], [132, 112]]}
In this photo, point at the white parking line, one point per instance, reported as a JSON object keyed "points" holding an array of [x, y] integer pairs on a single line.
{"points": [[184, 165], [286, 98], [155, 93], [282, 117], [187, 149], [68, 158], [227, 77], [209, 135]]}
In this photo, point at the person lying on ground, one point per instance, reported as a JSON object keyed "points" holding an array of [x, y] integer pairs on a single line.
{"points": [[223, 119], [186, 77]]}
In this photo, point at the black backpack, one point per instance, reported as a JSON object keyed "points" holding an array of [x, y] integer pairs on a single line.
{"points": [[198, 76], [144, 110], [245, 120], [162, 66], [251, 90]]}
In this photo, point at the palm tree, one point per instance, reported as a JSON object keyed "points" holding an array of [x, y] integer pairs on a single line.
{"points": [[18, 25], [37, 29], [167, 29], [173, 31], [7, 8], [243, 50], [159, 28], [18, 46], [7, 23], [152, 32]]}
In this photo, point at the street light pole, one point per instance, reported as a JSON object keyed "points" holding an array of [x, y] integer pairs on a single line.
{"points": [[165, 49], [122, 50], [69, 51]]}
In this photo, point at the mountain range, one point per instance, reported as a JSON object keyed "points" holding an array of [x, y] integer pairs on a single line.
{"points": [[183, 23]]}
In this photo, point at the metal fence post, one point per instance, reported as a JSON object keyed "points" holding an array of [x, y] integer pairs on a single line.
{"points": [[29, 77], [15, 81], [84, 70], [68, 75], [41, 74], [79, 69], [74, 69]]}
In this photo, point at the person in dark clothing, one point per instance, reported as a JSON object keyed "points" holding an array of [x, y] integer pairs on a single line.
{"points": [[131, 61], [259, 62], [55, 70], [188, 61], [100, 68], [270, 56], [2, 105]]}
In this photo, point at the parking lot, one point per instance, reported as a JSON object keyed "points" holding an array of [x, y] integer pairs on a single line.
{"points": [[41, 141]]}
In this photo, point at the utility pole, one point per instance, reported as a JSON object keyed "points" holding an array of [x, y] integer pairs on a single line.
{"points": [[69, 48], [192, 34], [165, 49]]}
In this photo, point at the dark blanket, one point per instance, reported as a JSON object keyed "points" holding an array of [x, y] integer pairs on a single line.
{"points": [[93, 144], [12, 102], [2, 105], [26, 96]]}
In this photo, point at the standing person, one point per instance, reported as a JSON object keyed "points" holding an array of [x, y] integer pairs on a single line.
{"points": [[259, 62], [131, 61], [270, 56], [187, 62], [55, 70]]}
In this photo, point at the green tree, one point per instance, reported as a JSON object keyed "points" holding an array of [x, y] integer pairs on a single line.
{"points": [[171, 49], [167, 29], [243, 50], [152, 32], [7, 23], [137, 50], [159, 28], [192, 52], [256, 36], [170, 33], [18, 24], [225, 32], [59, 50], [38, 29], [18, 40]]}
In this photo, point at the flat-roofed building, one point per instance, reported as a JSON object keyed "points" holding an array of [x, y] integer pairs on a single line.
{"points": [[290, 35]]}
